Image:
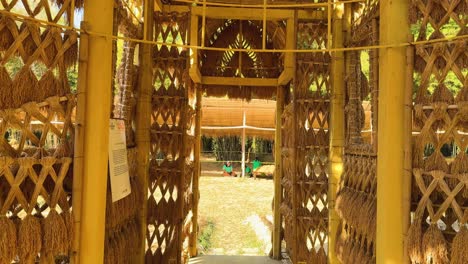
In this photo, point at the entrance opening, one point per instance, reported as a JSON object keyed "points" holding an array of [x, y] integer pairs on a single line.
{"points": [[236, 184]]}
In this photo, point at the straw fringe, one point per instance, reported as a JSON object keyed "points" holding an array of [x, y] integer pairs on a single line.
{"points": [[5, 87], [434, 246], [414, 243], [6, 38], [7, 240], [68, 221], [460, 247], [25, 87], [55, 239], [70, 57], [29, 239], [321, 256]]}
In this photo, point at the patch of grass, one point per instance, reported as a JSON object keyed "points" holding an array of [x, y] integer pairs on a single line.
{"points": [[206, 234], [250, 239]]}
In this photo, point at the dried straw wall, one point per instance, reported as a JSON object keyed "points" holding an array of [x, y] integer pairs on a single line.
{"points": [[36, 146], [356, 202]]}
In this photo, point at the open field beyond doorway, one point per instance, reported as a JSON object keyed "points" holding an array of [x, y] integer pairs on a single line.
{"points": [[235, 216]]}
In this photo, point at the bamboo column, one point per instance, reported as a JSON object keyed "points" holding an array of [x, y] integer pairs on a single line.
{"points": [[98, 14], [394, 28], [143, 123], [294, 131], [408, 127], [337, 136], [79, 142], [278, 174], [196, 176], [243, 141]]}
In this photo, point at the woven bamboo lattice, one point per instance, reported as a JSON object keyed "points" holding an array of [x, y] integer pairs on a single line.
{"points": [[438, 233], [122, 237], [305, 158], [241, 34], [172, 141], [36, 180], [36, 124], [356, 197]]}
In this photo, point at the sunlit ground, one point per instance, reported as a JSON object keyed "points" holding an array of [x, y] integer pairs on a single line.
{"points": [[235, 216]]}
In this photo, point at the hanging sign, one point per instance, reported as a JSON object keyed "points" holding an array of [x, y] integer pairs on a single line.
{"points": [[118, 164]]}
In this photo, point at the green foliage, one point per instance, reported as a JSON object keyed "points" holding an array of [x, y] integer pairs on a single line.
{"points": [[206, 234]]}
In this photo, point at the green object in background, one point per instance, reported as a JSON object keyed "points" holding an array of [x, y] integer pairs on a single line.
{"points": [[227, 169], [256, 164], [248, 170]]}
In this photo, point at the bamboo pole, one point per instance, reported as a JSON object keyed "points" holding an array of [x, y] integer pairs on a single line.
{"points": [[391, 132], [79, 143], [278, 174], [337, 136], [294, 102], [143, 124], [408, 166], [99, 15], [196, 177], [243, 140]]}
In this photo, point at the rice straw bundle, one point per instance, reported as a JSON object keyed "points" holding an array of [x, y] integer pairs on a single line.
{"points": [[29, 45], [51, 50], [460, 247], [29, 239], [47, 86], [414, 243], [442, 94], [321, 256], [55, 239], [7, 240], [6, 38], [25, 87], [70, 57], [5, 87], [434, 246], [69, 225], [78, 3]]}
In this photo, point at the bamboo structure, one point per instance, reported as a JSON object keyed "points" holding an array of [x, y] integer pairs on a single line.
{"points": [[370, 140], [143, 122], [97, 113], [277, 220], [337, 137]]}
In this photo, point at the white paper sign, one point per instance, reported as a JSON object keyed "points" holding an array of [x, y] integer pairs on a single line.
{"points": [[118, 164]]}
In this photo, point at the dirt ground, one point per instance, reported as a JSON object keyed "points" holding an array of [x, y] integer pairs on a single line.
{"points": [[235, 215]]}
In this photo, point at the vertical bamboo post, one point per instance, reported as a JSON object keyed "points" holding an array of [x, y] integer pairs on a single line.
{"points": [[408, 167], [99, 15], [143, 123], [278, 174], [196, 177], [294, 151], [336, 128], [243, 141], [79, 142], [394, 28]]}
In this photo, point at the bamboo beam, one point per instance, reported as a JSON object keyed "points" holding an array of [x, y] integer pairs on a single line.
{"points": [[242, 13], [337, 133], [276, 245], [78, 160], [289, 61], [394, 28], [194, 71], [98, 15], [237, 81], [306, 14], [158, 6], [143, 124], [196, 177]]}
